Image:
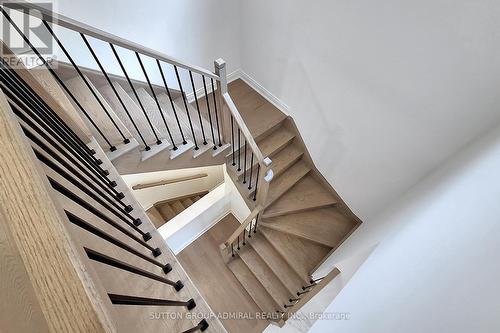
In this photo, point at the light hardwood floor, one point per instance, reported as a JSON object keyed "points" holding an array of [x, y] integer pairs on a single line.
{"points": [[203, 263]]}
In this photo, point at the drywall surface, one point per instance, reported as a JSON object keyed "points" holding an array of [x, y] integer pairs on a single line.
{"points": [[195, 32], [191, 223], [149, 196], [435, 268], [382, 91]]}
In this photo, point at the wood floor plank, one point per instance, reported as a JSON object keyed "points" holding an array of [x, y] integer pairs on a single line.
{"points": [[307, 194]]}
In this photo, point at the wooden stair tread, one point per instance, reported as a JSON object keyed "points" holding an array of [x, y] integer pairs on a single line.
{"points": [[308, 193], [166, 211], [177, 206], [283, 183], [292, 281], [300, 254], [265, 275], [327, 226], [156, 217], [276, 141], [252, 286], [154, 114], [135, 113], [285, 159], [187, 202], [281, 161], [81, 92]]}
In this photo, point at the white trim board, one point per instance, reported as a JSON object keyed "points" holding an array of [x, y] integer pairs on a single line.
{"points": [[240, 74]]}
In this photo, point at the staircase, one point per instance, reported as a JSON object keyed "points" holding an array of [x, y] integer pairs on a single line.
{"points": [[94, 126], [301, 222], [164, 211]]}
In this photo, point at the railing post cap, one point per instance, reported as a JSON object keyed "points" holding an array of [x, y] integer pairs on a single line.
{"points": [[220, 63], [269, 176]]}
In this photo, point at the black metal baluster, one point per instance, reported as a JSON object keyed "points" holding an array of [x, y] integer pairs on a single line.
{"points": [[186, 107], [134, 300], [309, 286], [256, 183], [42, 120], [171, 102], [135, 94], [107, 260], [32, 96], [58, 79], [251, 172], [302, 292], [232, 138], [238, 243], [85, 80], [61, 161], [244, 236], [245, 165], [316, 280], [232, 250], [156, 100], [198, 108], [208, 108], [216, 112], [202, 327], [45, 113], [97, 212], [94, 55], [239, 149], [111, 239]]}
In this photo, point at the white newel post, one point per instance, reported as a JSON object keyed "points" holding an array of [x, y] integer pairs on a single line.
{"points": [[220, 70]]}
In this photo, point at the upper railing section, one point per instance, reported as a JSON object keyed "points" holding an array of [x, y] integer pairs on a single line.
{"points": [[69, 23], [149, 127]]}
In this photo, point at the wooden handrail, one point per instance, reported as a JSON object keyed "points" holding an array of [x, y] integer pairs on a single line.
{"points": [[168, 181], [242, 227], [66, 22], [243, 127]]}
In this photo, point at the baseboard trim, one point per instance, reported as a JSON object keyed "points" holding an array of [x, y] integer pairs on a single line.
{"points": [[282, 106], [240, 74]]}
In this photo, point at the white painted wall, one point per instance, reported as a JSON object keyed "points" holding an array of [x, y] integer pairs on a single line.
{"points": [[196, 32], [382, 91], [436, 267], [149, 196]]}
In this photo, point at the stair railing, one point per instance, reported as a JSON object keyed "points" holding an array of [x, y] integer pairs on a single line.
{"points": [[226, 123], [65, 213], [115, 135]]}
